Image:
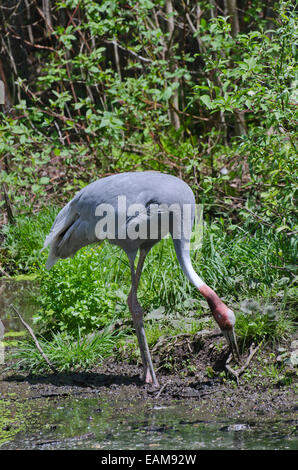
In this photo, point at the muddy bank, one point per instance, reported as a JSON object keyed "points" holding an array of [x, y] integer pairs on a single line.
{"points": [[122, 379], [198, 404], [197, 373]]}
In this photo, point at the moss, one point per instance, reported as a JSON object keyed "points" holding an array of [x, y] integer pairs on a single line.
{"points": [[11, 420], [13, 417]]}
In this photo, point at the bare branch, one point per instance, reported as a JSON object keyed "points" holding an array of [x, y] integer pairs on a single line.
{"points": [[34, 338], [238, 372], [115, 43]]}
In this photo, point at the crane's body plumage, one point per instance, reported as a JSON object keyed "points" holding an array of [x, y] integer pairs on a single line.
{"points": [[149, 194], [77, 220]]}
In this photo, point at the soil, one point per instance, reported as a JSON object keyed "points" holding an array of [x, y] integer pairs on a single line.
{"points": [[197, 373]]}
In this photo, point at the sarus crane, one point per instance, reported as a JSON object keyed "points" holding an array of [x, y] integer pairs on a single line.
{"points": [[135, 210]]}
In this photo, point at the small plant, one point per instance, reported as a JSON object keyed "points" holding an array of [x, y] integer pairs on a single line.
{"points": [[273, 372], [82, 292], [223, 376], [67, 352], [219, 345], [210, 372], [128, 350], [170, 363], [191, 369], [256, 323]]}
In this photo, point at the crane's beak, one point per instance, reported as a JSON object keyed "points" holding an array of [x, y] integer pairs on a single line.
{"points": [[230, 336]]}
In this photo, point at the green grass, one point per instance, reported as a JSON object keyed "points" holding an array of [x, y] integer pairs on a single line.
{"points": [[23, 241], [258, 326], [66, 352], [253, 271]]}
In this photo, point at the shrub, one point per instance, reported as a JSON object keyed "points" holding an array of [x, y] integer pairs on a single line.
{"points": [[76, 293]]}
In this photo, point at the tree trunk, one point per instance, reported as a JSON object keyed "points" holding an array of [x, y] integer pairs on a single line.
{"points": [[233, 13], [174, 116], [46, 9], [117, 61], [7, 97], [240, 125], [8, 206]]}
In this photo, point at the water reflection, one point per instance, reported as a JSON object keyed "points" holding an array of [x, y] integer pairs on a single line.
{"points": [[23, 295], [102, 423]]}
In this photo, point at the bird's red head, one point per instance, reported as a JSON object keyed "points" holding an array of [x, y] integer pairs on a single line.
{"points": [[223, 316]]}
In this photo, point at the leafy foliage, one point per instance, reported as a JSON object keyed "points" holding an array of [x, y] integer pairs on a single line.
{"points": [[24, 240], [116, 90], [76, 293], [188, 88]]}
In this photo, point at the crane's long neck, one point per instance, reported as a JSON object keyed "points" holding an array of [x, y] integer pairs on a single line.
{"points": [[182, 252], [183, 256], [223, 316]]}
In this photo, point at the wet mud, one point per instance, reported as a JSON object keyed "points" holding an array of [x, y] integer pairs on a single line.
{"points": [[198, 375]]}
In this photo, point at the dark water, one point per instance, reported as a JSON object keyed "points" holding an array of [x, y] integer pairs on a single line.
{"points": [[99, 423], [22, 294]]}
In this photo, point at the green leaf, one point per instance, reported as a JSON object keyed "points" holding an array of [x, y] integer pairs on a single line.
{"points": [[282, 227], [207, 101], [167, 93], [44, 180], [156, 314]]}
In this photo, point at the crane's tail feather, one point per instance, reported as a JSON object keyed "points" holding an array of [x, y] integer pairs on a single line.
{"points": [[52, 259], [64, 220]]}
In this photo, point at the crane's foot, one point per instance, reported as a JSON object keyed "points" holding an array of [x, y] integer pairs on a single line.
{"points": [[149, 380]]}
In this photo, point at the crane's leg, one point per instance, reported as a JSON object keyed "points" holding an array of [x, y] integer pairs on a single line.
{"points": [[137, 315], [143, 254]]}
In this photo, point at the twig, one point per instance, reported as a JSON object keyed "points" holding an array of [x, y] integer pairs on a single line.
{"points": [[37, 46], [211, 392], [233, 372], [283, 268], [115, 43], [4, 272], [238, 372], [34, 338], [259, 218]]}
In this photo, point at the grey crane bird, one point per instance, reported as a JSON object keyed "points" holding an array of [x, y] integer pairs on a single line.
{"points": [[134, 210]]}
